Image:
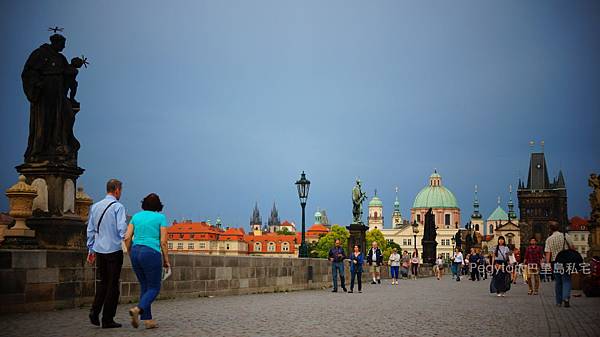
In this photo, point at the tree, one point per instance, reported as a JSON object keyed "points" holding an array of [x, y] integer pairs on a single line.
{"points": [[390, 247], [376, 235], [284, 231], [327, 241]]}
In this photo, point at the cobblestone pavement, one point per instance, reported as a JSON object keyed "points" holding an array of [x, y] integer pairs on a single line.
{"points": [[425, 307]]}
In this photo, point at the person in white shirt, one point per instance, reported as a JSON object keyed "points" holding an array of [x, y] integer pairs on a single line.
{"points": [[394, 262], [439, 266], [458, 262]]}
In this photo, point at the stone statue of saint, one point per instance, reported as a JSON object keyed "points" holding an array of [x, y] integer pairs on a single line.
{"points": [[594, 182], [429, 232], [358, 196], [47, 78]]}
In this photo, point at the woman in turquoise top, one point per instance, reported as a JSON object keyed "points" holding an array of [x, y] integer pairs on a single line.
{"points": [[148, 229]]}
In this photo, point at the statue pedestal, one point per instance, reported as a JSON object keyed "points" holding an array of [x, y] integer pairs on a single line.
{"points": [[54, 220], [358, 237], [429, 252]]}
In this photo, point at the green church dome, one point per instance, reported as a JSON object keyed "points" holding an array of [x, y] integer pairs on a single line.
{"points": [[435, 195], [498, 215], [376, 202]]}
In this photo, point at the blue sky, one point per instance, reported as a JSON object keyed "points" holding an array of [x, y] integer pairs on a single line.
{"points": [[216, 105]]}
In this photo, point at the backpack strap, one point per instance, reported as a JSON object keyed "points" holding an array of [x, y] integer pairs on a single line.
{"points": [[102, 216]]}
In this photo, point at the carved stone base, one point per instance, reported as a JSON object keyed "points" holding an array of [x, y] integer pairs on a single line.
{"points": [[59, 233], [429, 252], [17, 240], [59, 183], [357, 237]]}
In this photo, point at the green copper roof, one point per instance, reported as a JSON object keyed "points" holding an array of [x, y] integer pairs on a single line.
{"points": [[435, 197], [376, 202], [498, 214]]}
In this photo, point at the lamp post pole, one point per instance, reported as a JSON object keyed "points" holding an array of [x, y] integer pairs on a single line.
{"points": [[415, 232], [303, 186]]}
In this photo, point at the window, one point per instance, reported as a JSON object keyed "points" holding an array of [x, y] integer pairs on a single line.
{"points": [[202, 245], [180, 245], [191, 246], [285, 247], [404, 242], [271, 247], [491, 229], [181, 236], [257, 247], [447, 220], [477, 227], [227, 247], [409, 242], [170, 245], [418, 217]]}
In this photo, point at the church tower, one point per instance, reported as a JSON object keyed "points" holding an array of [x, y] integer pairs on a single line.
{"points": [[541, 200], [274, 222], [476, 217], [256, 221], [375, 218], [396, 216]]}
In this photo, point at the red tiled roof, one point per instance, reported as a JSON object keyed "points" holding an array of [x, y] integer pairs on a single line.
{"points": [[193, 231], [286, 223], [232, 234], [579, 223], [318, 228]]}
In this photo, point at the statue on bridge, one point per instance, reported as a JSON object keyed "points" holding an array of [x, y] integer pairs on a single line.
{"points": [[358, 196], [47, 79]]}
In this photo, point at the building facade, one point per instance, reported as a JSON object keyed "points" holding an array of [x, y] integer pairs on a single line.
{"points": [[580, 233], [541, 200], [375, 218]]}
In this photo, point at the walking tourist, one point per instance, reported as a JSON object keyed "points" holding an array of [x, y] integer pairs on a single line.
{"points": [[414, 264], [106, 229], [375, 260], [556, 243], [439, 266], [457, 262], [501, 278], [147, 231], [356, 268], [532, 262], [337, 256], [394, 262], [475, 262], [515, 259], [405, 264]]}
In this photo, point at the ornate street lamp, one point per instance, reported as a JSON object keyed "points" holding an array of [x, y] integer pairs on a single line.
{"points": [[303, 186], [415, 228], [453, 242]]}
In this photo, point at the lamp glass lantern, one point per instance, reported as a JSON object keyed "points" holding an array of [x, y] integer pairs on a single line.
{"points": [[303, 186]]}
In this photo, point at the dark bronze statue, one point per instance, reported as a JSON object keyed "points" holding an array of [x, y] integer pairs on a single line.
{"points": [[429, 236], [47, 78]]}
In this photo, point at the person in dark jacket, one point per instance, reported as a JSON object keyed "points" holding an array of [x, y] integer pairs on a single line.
{"points": [[474, 263], [356, 268], [375, 260], [337, 257]]}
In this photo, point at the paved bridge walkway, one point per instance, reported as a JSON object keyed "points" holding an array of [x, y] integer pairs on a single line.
{"points": [[424, 307]]}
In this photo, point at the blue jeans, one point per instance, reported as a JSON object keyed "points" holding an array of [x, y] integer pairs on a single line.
{"points": [[147, 265], [394, 270], [335, 267], [562, 287]]}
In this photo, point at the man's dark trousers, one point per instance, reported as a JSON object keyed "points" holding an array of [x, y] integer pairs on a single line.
{"points": [[108, 271]]}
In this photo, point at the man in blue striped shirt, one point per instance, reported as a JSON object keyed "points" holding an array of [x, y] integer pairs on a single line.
{"points": [[106, 229]]}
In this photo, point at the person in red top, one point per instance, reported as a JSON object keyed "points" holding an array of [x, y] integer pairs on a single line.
{"points": [[533, 260]]}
